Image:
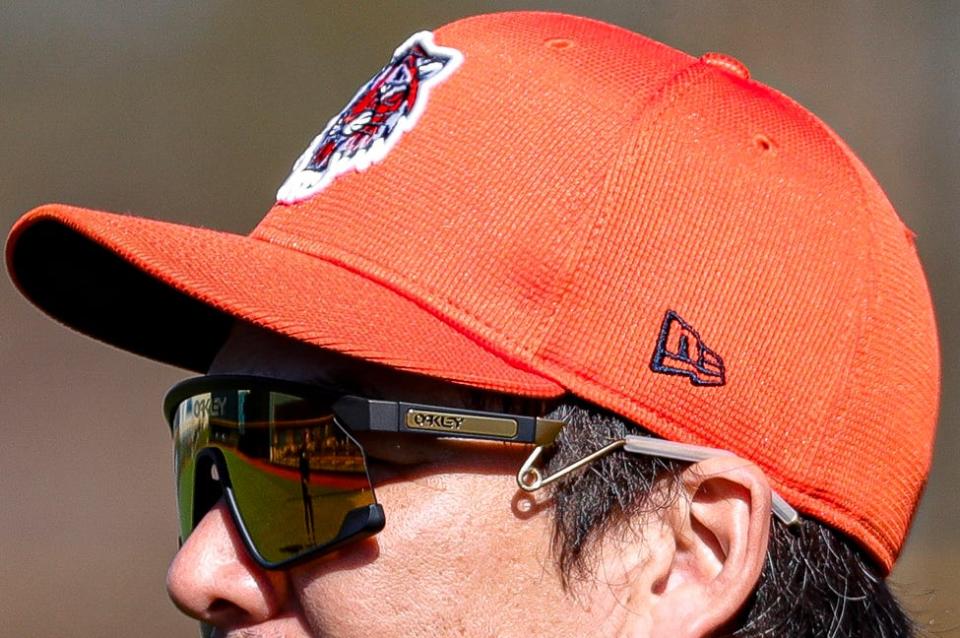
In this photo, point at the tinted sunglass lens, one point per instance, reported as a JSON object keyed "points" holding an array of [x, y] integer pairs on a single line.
{"points": [[296, 481], [300, 499]]}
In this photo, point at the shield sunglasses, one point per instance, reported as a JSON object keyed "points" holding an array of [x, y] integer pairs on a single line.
{"points": [[296, 480], [285, 457]]}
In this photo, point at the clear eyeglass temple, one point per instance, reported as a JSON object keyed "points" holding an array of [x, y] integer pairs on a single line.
{"points": [[531, 479]]}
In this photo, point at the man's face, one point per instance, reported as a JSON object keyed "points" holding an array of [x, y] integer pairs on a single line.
{"points": [[464, 551]]}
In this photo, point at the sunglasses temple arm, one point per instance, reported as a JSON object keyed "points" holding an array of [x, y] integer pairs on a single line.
{"points": [[696, 453], [531, 479]]}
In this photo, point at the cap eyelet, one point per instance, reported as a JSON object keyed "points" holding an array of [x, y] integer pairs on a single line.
{"points": [[764, 143], [559, 43]]}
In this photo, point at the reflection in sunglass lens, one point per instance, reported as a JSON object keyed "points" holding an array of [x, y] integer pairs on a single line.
{"points": [[297, 480]]}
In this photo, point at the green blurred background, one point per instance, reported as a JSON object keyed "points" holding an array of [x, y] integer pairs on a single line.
{"points": [[194, 112]]}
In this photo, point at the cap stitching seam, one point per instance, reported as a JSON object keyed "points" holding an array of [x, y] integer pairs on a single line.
{"points": [[639, 108], [547, 319], [866, 287]]}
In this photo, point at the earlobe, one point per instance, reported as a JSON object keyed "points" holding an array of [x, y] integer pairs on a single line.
{"points": [[721, 527]]}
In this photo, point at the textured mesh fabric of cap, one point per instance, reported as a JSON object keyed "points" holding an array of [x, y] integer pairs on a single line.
{"points": [[567, 189]]}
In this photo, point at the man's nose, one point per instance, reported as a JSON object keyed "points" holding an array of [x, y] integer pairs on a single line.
{"points": [[213, 579]]}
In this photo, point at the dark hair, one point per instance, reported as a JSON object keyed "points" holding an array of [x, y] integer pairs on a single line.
{"points": [[816, 581]]}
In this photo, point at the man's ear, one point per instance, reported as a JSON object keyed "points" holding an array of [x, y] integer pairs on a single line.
{"points": [[721, 527]]}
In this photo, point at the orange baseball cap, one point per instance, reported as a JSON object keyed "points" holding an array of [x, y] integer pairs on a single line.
{"points": [[536, 204]]}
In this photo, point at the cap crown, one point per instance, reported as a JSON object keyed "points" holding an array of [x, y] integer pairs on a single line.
{"points": [[572, 182]]}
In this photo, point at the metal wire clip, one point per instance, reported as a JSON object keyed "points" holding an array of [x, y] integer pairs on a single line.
{"points": [[531, 478]]}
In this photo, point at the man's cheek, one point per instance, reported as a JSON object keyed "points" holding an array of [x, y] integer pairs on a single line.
{"points": [[444, 540], [407, 594]]}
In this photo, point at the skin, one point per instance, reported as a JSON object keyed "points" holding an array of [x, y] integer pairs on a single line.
{"points": [[464, 551]]}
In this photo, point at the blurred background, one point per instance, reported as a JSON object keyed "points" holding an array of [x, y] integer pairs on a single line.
{"points": [[194, 113]]}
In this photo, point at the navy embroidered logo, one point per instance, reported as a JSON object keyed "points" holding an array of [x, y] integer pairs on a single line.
{"points": [[379, 114], [680, 350]]}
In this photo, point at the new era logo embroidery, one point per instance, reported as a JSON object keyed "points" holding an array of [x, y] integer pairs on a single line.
{"points": [[379, 114], [680, 350]]}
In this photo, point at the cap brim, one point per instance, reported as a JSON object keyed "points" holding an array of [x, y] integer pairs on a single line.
{"points": [[171, 292]]}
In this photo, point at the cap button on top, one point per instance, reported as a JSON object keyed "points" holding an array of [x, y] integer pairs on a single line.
{"points": [[726, 63]]}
